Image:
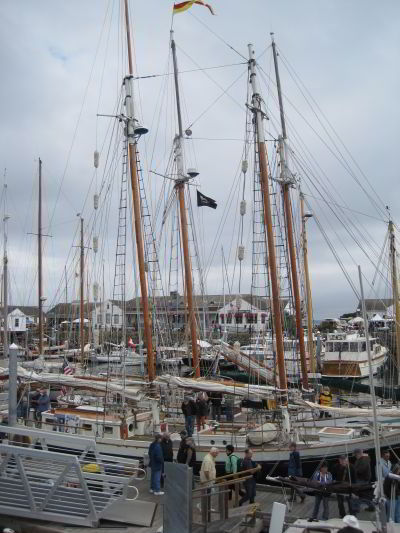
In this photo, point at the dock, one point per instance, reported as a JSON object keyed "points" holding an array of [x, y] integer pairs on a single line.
{"points": [[265, 498]]}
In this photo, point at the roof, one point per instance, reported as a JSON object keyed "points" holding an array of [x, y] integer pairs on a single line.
{"points": [[28, 310], [62, 310]]}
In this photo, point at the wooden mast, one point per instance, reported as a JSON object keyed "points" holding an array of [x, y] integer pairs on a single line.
{"points": [[310, 337], [132, 148], [256, 103], [82, 296], [395, 290], [287, 182], [40, 274], [180, 187]]}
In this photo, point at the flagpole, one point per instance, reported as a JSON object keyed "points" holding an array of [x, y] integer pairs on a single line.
{"points": [[180, 188]]}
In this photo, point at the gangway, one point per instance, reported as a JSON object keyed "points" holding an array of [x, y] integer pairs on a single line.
{"points": [[65, 487], [246, 362]]}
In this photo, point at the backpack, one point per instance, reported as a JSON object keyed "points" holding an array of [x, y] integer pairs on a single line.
{"points": [[239, 462]]}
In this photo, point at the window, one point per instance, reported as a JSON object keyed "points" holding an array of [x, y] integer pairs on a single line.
{"points": [[353, 347], [222, 319], [239, 318], [108, 429], [108, 318], [99, 319], [116, 319], [16, 322], [108, 306], [87, 427], [229, 318]]}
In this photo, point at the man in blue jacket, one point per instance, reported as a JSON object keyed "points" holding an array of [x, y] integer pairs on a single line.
{"points": [[295, 470], [325, 478], [156, 463]]}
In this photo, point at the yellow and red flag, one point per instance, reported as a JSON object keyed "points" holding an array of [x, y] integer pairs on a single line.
{"points": [[183, 6]]}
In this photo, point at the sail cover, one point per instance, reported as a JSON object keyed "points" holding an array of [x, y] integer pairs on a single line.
{"points": [[354, 411]]}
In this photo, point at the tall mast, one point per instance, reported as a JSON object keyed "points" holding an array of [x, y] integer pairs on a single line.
{"points": [[311, 350], [256, 102], [82, 281], [395, 290], [287, 181], [10, 354], [136, 203], [180, 187], [40, 274]]}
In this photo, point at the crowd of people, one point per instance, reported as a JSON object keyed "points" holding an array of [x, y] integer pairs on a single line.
{"points": [[358, 471], [197, 410]]}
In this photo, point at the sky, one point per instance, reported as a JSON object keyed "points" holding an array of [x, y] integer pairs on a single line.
{"points": [[63, 63]]}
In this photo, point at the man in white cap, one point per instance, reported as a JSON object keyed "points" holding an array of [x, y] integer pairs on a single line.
{"points": [[352, 525]]}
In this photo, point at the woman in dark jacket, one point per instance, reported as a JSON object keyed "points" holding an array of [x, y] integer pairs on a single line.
{"points": [[166, 445], [201, 412]]}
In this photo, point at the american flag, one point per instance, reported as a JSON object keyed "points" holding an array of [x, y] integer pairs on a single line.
{"points": [[67, 370]]}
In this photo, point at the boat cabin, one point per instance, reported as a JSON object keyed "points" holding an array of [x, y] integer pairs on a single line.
{"points": [[88, 421]]}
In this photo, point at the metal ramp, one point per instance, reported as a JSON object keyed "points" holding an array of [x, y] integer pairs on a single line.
{"points": [[66, 488]]}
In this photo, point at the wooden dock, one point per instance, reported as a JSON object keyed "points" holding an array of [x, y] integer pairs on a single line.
{"points": [[265, 498]]}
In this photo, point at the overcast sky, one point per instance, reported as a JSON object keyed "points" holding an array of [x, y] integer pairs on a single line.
{"points": [[63, 62]]}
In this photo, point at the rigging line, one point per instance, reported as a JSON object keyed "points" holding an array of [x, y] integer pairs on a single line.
{"points": [[294, 73], [332, 248], [218, 36], [224, 91], [348, 231], [200, 69], [78, 120], [344, 207], [350, 222], [340, 158]]}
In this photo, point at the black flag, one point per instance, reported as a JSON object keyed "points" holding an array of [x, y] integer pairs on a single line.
{"points": [[205, 201]]}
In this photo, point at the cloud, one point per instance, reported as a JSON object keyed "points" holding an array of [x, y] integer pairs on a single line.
{"points": [[60, 74]]}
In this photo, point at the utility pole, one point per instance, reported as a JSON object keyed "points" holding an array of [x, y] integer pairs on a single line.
{"points": [[131, 129], [310, 336], [180, 187], [287, 181], [395, 291], [256, 105]]}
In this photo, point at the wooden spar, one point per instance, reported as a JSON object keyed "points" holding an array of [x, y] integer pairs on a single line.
{"points": [[82, 296], [40, 274], [293, 267], [180, 187], [287, 181], [256, 102], [132, 149], [395, 290], [311, 351]]}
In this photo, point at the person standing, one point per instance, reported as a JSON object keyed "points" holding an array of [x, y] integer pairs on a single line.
{"points": [[362, 468], [208, 472], [295, 470], [189, 412], [385, 463], [325, 399], [166, 445], [42, 401], [391, 489], [250, 483], [216, 401], [324, 478], [345, 473], [156, 463], [181, 455], [201, 411]]}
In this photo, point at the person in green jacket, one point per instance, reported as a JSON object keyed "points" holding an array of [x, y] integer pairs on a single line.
{"points": [[231, 466]]}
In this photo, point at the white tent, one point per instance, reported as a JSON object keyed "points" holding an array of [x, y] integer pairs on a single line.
{"points": [[77, 321], [377, 318]]}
